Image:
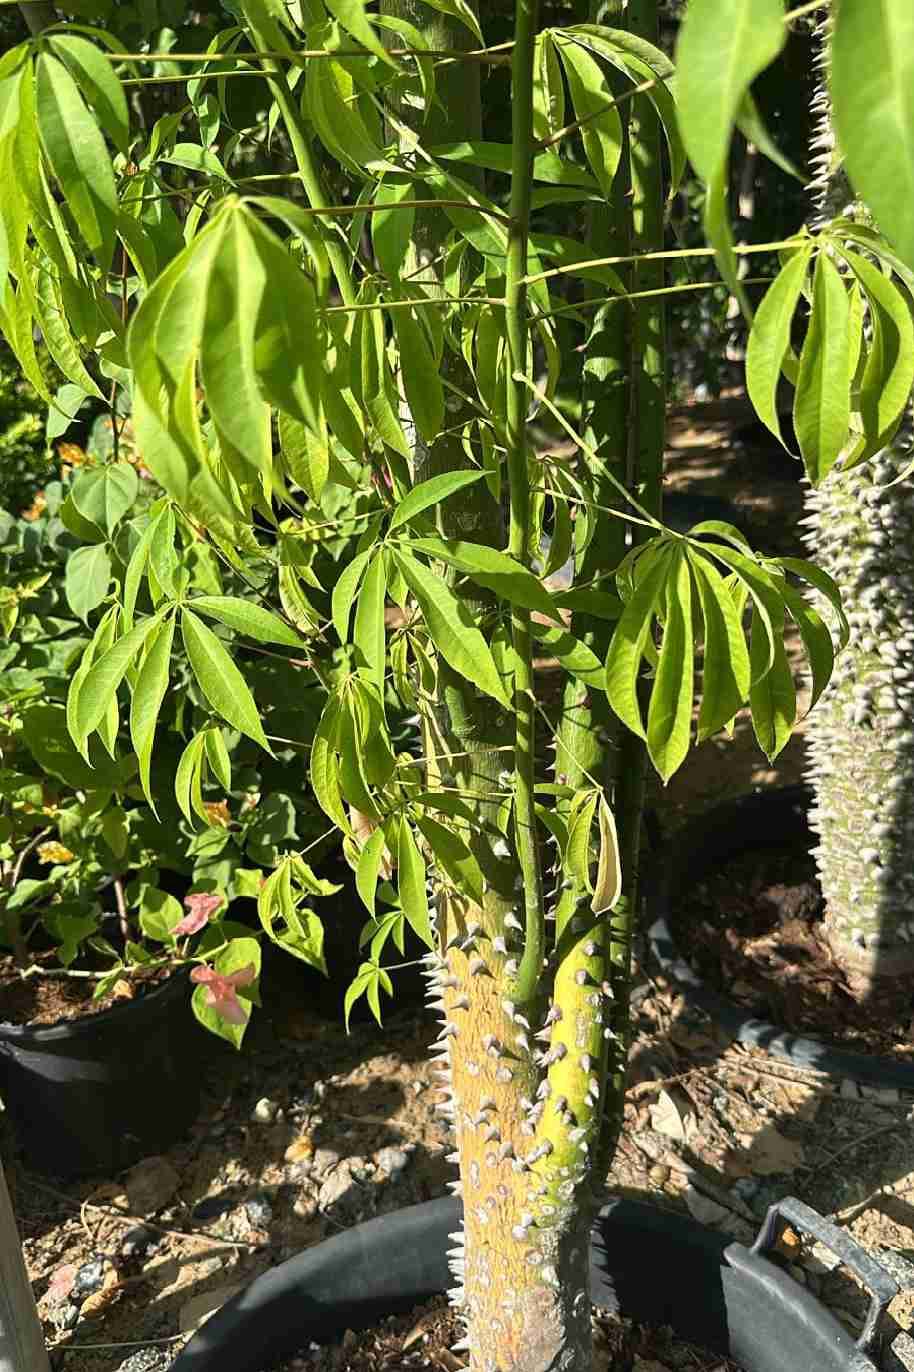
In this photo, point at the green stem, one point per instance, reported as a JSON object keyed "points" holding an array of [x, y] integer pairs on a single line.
{"points": [[301, 149], [531, 964]]}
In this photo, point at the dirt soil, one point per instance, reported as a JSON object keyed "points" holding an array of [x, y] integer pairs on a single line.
{"points": [[48, 999], [424, 1338], [754, 931], [308, 1131]]}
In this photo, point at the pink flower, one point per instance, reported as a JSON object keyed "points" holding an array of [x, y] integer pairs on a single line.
{"points": [[221, 991], [200, 906]]}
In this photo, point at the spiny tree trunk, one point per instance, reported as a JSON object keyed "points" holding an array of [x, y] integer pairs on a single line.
{"points": [[521, 1261], [860, 736]]}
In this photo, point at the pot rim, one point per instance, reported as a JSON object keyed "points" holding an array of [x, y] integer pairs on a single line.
{"points": [[757, 1313], [674, 866]]}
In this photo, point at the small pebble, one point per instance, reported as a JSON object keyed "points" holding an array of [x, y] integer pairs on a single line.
{"points": [[305, 1208], [265, 1110], [137, 1241], [259, 1210], [393, 1161], [659, 1174], [325, 1158], [145, 1360], [211, 1207], [65, 1316], [88, 1279]]}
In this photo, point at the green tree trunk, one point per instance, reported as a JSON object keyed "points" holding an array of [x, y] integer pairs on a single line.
{"points": [[860, 737], [521, 1261]]}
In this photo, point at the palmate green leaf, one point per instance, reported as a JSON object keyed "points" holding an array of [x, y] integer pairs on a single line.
{"points": [[324, 769], [52, 319], [631, 637], [547, 166], [640, 61], [871, 72], [592, 100], [77, 155], [245, 617], [331, 97], [489, 567], [188, 790], [163, 343], [88, 577], [344, 593], [368, 870], [392, 229], [236, 286], [306, 454], [769, 338], [104, 495], [289, 347], [368, 982], [411, 885], [99, 643], [451, 628], [578, 852], [725, 672], [139, 558], [772, 696], [94, 74], [217, 755], [669, 716], [459, 9], [353, 771], [219, 679], [827, 588], [821, 408], [763, 589], [722, 47], [431, 492], [888, 375], [816, 639], [105, 676], [421, 375], [305, 227], [577, 659], [148, 694], [548, 89], [454, 857], [351, 15], [369, 635]]}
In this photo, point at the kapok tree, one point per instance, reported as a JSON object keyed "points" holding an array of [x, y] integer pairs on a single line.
{"points": [[407, 323]]}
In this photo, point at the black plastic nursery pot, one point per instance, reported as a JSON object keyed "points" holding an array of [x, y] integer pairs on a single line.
{"points": [[774, 819], [94, 1094], [653, 1266]]}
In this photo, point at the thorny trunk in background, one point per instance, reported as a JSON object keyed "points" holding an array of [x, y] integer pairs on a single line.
{"points": [[860, 737], [624, 410]]}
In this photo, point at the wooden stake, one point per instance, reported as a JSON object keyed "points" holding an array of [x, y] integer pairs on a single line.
{"points": [[21, 1340]]}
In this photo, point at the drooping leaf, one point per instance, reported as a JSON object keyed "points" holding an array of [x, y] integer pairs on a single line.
{"points": [[725, 671], [722, 47], [451, 627], [888, 375], [593, 103], [769, 338], [369, 633], [496, 570], [431, 492], [351, 14], [420, 372], [94, 73], [629, 641], [670, 711], [219, 679], [344, 593], [105, 676], [368, 869], [148, 694], [246, 618], [392, 229], [872, 90], [454, 857], [772, 695], [821, 411], [88, 576], [76, 152], [413, 897]]}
